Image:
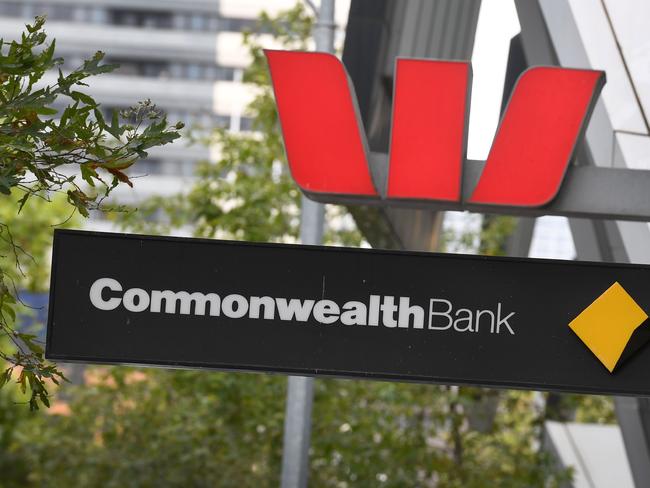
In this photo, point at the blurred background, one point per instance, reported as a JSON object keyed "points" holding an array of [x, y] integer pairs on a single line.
{"points": [[200, 62]]}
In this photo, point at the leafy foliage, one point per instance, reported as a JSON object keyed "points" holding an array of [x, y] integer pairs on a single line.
{"points": [[49, 135], [35, 146], [127, 427], [31, 237]]}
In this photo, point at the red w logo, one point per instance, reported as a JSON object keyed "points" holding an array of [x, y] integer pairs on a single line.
{"points": [[328, 154]]}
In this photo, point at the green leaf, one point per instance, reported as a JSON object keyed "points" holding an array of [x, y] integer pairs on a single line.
{"points": [[22, 381], [44, 399], [23, 201], [48, 54], [88, 173], [115, 129], [82, 97], [5, 376], [99, 117], [8, 309], [35, 348], [46, 111]]}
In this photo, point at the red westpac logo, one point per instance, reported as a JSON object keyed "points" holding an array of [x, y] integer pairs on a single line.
{"points": [[328, 154]]}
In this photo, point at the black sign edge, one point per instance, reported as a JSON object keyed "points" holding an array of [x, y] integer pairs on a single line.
{"points": [[49, 327], [309, 247], [339, 374]]}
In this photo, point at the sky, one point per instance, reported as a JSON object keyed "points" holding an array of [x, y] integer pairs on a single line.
{"points": [[497, 24]]}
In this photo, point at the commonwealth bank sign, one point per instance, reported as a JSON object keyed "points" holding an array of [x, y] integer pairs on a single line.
{"points": [[309, 310]]}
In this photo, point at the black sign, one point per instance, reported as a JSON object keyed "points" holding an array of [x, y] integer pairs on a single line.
{"points": [[310, 310]]}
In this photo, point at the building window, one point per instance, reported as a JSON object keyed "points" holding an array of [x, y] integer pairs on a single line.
{"points": [[213, 23], [98, 15], [55, 12], [148, 68], [198, 22], [125, 68], [232, 24], [222, 121], [154, 69], [137, 18], [224, 73], [148, 166], [194, 71], [246, 124], [177, 70]]}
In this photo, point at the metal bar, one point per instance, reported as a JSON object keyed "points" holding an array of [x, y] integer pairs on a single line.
{"points": [[518, 244], [634, 419], [297, 432], [587, 192], [300, 390], [297, 421]]}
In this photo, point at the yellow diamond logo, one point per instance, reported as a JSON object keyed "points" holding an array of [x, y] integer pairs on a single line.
{"points": [[607, 325]]}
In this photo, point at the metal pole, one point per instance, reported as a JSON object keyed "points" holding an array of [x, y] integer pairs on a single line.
{"points": [[300, 390]]}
